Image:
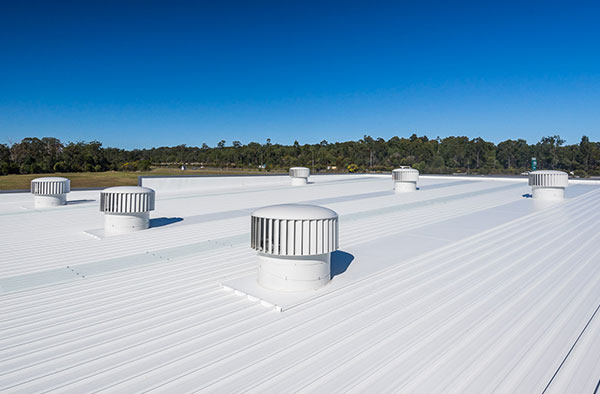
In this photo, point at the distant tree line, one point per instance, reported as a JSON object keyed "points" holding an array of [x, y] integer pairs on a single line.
{"points": [[447, 155]]}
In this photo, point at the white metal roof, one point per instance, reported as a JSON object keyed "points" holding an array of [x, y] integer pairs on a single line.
{"points": [[467, 285]]}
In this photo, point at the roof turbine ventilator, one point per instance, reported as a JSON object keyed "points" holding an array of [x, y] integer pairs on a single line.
{"points": [[299, 175], [294, 244], [50, 191], [405, 179], [126, 208], [548, 184]]}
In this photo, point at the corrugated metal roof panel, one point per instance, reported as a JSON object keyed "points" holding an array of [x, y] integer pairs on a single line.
{"points": [[467, 285]]}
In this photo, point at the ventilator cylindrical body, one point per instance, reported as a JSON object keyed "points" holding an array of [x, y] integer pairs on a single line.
{"points": [[294, 273], [126, 208], [299, 175], [50, 191], [405, 179], [120, 223], [548, 185], [294, 244]]}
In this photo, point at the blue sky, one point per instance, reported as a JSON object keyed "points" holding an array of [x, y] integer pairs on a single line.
{"points": [[142, 74]]}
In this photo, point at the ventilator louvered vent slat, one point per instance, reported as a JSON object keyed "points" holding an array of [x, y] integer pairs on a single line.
{"points": [[127, 199], [405, 175], [548, 179], [294, 237], [299, 172], [307, 230], [50, 186]]}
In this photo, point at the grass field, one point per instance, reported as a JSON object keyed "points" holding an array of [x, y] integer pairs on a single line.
{"points": [[110, 178]]}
